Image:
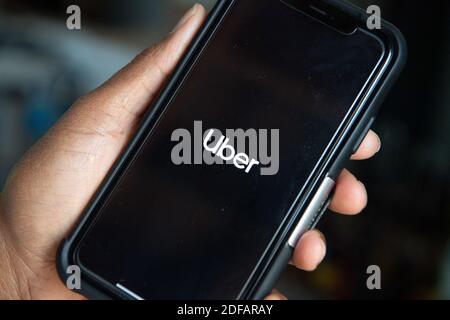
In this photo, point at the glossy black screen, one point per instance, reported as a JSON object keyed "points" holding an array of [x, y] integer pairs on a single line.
{"points": [[198, 231]]}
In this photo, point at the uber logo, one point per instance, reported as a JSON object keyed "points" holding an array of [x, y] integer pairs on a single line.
{"points": [[245, 149]]}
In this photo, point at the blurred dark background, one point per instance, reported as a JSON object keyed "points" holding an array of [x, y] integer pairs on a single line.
{"points": [[405, 230]]}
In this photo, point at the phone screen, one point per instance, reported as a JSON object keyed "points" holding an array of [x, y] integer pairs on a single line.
{"points": [[208, 190]]}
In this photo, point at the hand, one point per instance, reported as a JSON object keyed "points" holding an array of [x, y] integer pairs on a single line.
{"points": [[49, 188]]}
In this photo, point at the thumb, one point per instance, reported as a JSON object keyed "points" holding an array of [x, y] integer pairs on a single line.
{"points": [[123, 98], [51, 185]]}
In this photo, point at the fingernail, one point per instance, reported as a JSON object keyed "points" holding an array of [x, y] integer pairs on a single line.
{"points": [[321, 235], [366, 196], [379, 143], [323, 245], [186, 17]]}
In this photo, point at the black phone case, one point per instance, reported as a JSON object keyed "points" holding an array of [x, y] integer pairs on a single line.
{"points": [[270, 268]]}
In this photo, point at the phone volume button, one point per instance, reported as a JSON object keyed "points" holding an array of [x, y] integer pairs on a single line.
{"points": [[314, 211]]}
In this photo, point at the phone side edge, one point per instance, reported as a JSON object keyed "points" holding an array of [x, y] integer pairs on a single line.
{"points": [[397, 45]]}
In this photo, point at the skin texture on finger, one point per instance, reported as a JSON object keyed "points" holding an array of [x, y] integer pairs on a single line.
{"points": [[128, 93], [61, 172], [309, 251], [350, 196], [370, 146], [51, 185], [275, 295]]}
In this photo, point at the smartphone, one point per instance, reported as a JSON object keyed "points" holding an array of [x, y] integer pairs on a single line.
{"points": [[238, 155]]}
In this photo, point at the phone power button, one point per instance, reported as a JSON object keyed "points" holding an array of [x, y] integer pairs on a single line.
{"points": [[313, 212]]}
